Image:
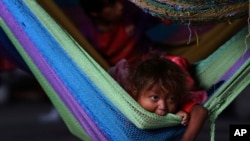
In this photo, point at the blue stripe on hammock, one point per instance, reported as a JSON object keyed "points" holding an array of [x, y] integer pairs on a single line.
{"points": [[28, 43], [106, 118], [128, 127]]}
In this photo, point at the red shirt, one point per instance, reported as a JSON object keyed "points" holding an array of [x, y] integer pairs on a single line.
{"points": [[127, 40]]}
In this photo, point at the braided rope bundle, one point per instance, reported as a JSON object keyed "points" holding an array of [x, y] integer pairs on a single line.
{"points": [[194, 11]]}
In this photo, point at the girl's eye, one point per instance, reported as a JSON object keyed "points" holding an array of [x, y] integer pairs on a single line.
{"points": [[154, 98], [172, 99]]}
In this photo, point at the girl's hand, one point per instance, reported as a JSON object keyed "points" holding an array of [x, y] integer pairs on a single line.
{"points": [[185, 117]]}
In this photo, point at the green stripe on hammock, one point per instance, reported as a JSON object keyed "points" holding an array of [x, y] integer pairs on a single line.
{"points": [[112, 90], [209, 67], [115, 93], [66, 115]]}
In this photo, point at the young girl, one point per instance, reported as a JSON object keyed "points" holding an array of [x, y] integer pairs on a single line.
{"points": [[162, 85]]}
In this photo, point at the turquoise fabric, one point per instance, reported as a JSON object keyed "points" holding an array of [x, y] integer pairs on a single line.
{"points": [[91, 103]]}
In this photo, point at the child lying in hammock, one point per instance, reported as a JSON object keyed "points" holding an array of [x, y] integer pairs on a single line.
{"points": [[163, 85], [115, 28]]}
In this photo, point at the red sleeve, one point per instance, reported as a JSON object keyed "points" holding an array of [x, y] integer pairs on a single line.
{"points": [[188, 106]]}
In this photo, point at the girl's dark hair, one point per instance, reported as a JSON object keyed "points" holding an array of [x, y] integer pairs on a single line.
{"points": [[163, 72], [90, 6]]}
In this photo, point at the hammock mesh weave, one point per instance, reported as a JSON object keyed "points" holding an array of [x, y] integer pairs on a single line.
{"points": [[194, 11], [90, 102]]}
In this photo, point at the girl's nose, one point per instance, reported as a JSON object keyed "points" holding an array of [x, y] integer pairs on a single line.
{"points": [[162, 105], [162, 108]]}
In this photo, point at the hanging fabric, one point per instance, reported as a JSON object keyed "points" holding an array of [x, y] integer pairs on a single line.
{"points": [[91, 103]]}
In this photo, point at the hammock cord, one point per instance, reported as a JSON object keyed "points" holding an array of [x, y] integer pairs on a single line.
{"points": [[212, 131], [190, 33], [248, 21]]}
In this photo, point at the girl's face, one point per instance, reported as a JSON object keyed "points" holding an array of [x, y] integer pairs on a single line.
{"points": [[112, 13], [154, 99]]}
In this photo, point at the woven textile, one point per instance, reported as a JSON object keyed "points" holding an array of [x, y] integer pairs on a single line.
{"points": [[194, 11], [91, 103]]}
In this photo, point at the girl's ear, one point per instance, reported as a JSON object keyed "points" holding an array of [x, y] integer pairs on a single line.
{"points": [[133, 92]]}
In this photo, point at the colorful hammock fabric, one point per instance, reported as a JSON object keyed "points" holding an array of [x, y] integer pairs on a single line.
{"points": [[68, 13], [91, 103], [194, 11]]}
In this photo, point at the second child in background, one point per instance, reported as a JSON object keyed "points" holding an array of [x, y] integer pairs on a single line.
{"points": [[117, 29]]}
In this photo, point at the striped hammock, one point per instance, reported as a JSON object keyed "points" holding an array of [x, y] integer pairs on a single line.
{"points": [[91, 103], [195, 11]]}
